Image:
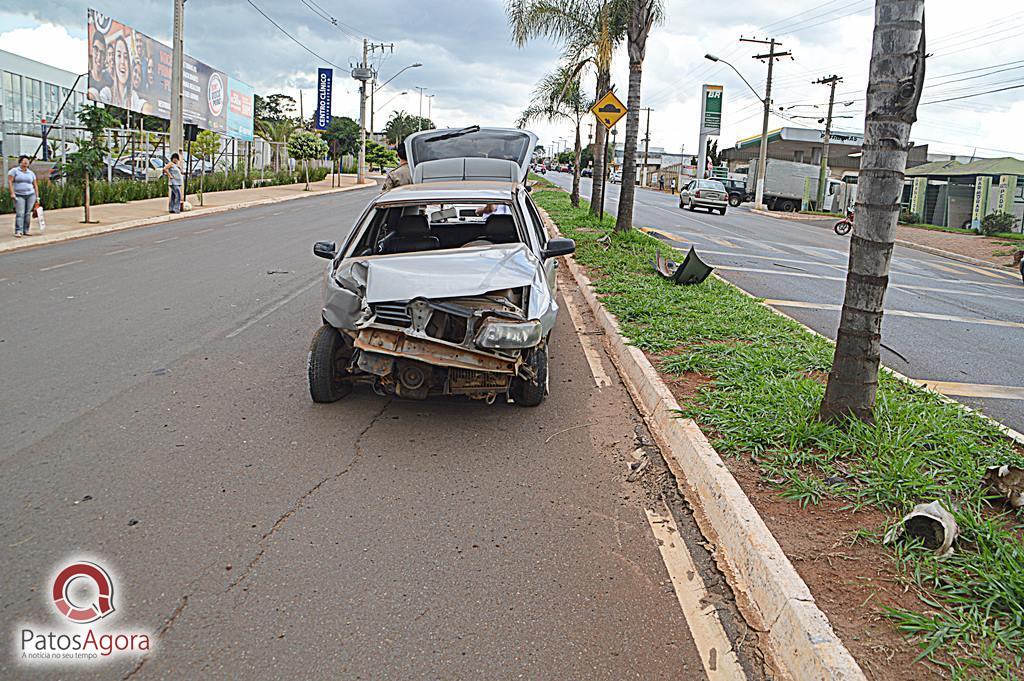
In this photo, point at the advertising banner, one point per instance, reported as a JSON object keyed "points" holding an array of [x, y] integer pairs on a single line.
{"points": [[711, 110], [982, 186], [919, 188], [131, 70], [324, 83], [1007, 189]]}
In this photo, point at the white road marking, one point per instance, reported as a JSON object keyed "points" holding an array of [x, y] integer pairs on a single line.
{"points": [[160, 241], [999, 392], [273, 308], [204, 231], [63, 264], [123, 250], [901, 313], [709, 637], [592, 354]]}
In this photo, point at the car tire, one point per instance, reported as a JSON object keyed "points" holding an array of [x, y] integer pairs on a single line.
{"points": [[721, 211], [734, 200], [787, 207], [328, 353], [691, 207], [527, 393]]}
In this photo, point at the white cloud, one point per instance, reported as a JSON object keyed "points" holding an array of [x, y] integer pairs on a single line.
{"points": [[49, 44]]}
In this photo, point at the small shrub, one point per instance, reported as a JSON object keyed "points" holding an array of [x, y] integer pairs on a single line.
{"points": [[993, 223], [908, 218]]}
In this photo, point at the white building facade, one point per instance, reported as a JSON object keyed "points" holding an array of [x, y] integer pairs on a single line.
{"points": [[30, 93]]}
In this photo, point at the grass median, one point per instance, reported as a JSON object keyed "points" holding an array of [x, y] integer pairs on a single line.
{"points": [[765, 379]]}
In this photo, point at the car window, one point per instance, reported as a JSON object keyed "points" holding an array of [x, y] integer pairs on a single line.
{"points": [[538, 223]]}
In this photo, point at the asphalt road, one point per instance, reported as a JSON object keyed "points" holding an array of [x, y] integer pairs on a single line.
{"points": [[155, 417], [953, 325]]}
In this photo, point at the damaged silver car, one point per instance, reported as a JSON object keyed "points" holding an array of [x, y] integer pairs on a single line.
{"points": [[445, 286]]}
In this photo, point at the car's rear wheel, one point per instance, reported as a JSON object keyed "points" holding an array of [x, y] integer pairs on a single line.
{"points": [[787, 206], [721, 211], [734, 200], [329, 354], [531, 392]]}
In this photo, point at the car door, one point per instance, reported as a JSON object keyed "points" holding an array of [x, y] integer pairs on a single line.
{"points": [[686, 192], [538, 236]]}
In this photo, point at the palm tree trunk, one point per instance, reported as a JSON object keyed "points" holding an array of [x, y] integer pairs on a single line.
{"points": [[575, 196], [895, 81], [627, 191], [600, 135]]}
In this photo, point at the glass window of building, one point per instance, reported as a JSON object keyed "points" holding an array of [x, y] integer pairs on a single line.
{"points": [[68, 117], [12, 96], [52, 101], [33, 100]]}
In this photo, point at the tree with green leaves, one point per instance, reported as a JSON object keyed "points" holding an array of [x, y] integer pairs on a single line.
{"points": [[641, 16], [273, 108], [559, 96], [379, 155], [342, 136], [401, 125], [589, 31], [205, 147], [277, 133], [87, 160], [305, 146]]}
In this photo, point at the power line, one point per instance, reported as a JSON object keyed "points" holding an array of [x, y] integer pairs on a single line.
{"points": [[976, 94], [348, 30], [794, 16], [293, 38]]}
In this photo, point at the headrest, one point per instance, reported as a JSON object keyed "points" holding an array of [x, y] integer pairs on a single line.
{"points": [[501, 227], [413, 225]]}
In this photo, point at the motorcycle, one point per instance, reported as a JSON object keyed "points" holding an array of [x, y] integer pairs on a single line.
{"points": [[843, 227]]}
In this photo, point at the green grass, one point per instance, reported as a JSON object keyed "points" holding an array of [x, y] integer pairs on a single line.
{"points": [[823, 213], [939, 228], [762, 403], [1014, 236]]}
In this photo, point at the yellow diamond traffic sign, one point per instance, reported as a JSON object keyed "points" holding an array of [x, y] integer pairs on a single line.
{"points": [[609, 110]]}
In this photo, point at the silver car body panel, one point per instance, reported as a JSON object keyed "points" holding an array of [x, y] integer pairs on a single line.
{"points": [[471, 145]]}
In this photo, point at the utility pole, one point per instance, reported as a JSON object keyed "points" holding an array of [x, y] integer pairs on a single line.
{"points": [[831, 81], [762, 160], [302, 115], [430, 107], [361, 170], [177, 66], [373, 88], [647, 142]]}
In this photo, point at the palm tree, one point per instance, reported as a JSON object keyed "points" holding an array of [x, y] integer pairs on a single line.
{"points": [[641, 16], [558, 96], [589, 31], [895, 81], [277, 132]]}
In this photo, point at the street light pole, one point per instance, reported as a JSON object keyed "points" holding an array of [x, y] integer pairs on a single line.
{"points": [[177, 68], [374, 87], [419, 121], [430, 107]]}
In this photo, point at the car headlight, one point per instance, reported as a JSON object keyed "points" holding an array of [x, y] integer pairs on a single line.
{"points": [[509, 335]]}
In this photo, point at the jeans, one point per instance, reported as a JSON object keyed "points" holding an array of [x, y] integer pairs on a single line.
{"points": [[23, 205], [175, 202]]}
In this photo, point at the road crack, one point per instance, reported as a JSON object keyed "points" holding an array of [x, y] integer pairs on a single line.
{"points": [[300, 502]]}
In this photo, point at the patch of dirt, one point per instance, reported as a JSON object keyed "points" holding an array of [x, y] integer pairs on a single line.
{"points": [[685, 387], [851, 582], [817, 376]]}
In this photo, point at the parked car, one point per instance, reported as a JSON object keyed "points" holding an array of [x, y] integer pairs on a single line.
{"points": [[616, 177], [737, 191], [710, 194], [587, 172], [445, 286]]}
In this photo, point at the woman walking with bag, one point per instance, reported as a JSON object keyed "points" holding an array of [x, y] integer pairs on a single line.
{"points": [[24, 192]]}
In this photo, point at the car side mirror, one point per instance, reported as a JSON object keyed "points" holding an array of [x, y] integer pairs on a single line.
{"points": [[557, 247], [325, 249]]}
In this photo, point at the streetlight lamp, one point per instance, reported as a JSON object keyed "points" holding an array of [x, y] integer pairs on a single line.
{"points": [[374, 87], [762, 158], [382, 106]]}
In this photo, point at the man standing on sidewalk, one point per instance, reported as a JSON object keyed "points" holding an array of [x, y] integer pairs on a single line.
{"points": [[173, 172], [24, 193]]}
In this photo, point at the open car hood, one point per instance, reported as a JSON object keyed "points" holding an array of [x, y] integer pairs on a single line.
{"points": [[472, 153]]}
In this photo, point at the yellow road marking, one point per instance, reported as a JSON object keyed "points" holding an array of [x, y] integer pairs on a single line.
{"points": [[901, 313], [994, 274], [1002, 392], [667, 235], [942, 268], [722, 242], [713, 645]]}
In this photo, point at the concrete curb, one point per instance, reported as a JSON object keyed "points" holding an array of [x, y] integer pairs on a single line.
{"points": [[96, 230], [771, 593], [942, 253]]}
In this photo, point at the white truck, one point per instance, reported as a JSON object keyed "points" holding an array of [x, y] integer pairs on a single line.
{"points": [[784, 184]]}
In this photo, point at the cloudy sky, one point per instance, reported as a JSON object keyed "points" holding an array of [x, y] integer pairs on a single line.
{"points": [[478, 76]]}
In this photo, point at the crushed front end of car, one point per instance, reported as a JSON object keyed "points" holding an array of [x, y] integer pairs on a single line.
{"points": [[470, 322]]}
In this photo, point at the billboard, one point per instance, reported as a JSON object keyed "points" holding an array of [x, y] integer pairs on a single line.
{"points": [[131, 70], [324, 83], [711, 110]]}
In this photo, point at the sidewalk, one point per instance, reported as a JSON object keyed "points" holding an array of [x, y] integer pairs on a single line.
{"points": [[66, 223]]}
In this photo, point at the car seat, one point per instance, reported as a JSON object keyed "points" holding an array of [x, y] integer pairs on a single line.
{"points": [[411, 234], [501, 229]]}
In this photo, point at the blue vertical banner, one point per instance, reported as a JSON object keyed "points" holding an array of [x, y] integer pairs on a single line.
{"points": [[324, 82]]}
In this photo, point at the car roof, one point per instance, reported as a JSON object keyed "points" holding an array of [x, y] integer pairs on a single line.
{"points": [[446, 192]]}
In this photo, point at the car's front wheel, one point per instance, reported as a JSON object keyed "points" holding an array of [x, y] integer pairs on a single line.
{"points": [[721, 210], [329, 354], [691, 207], [734, 200], [530, 392]]}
